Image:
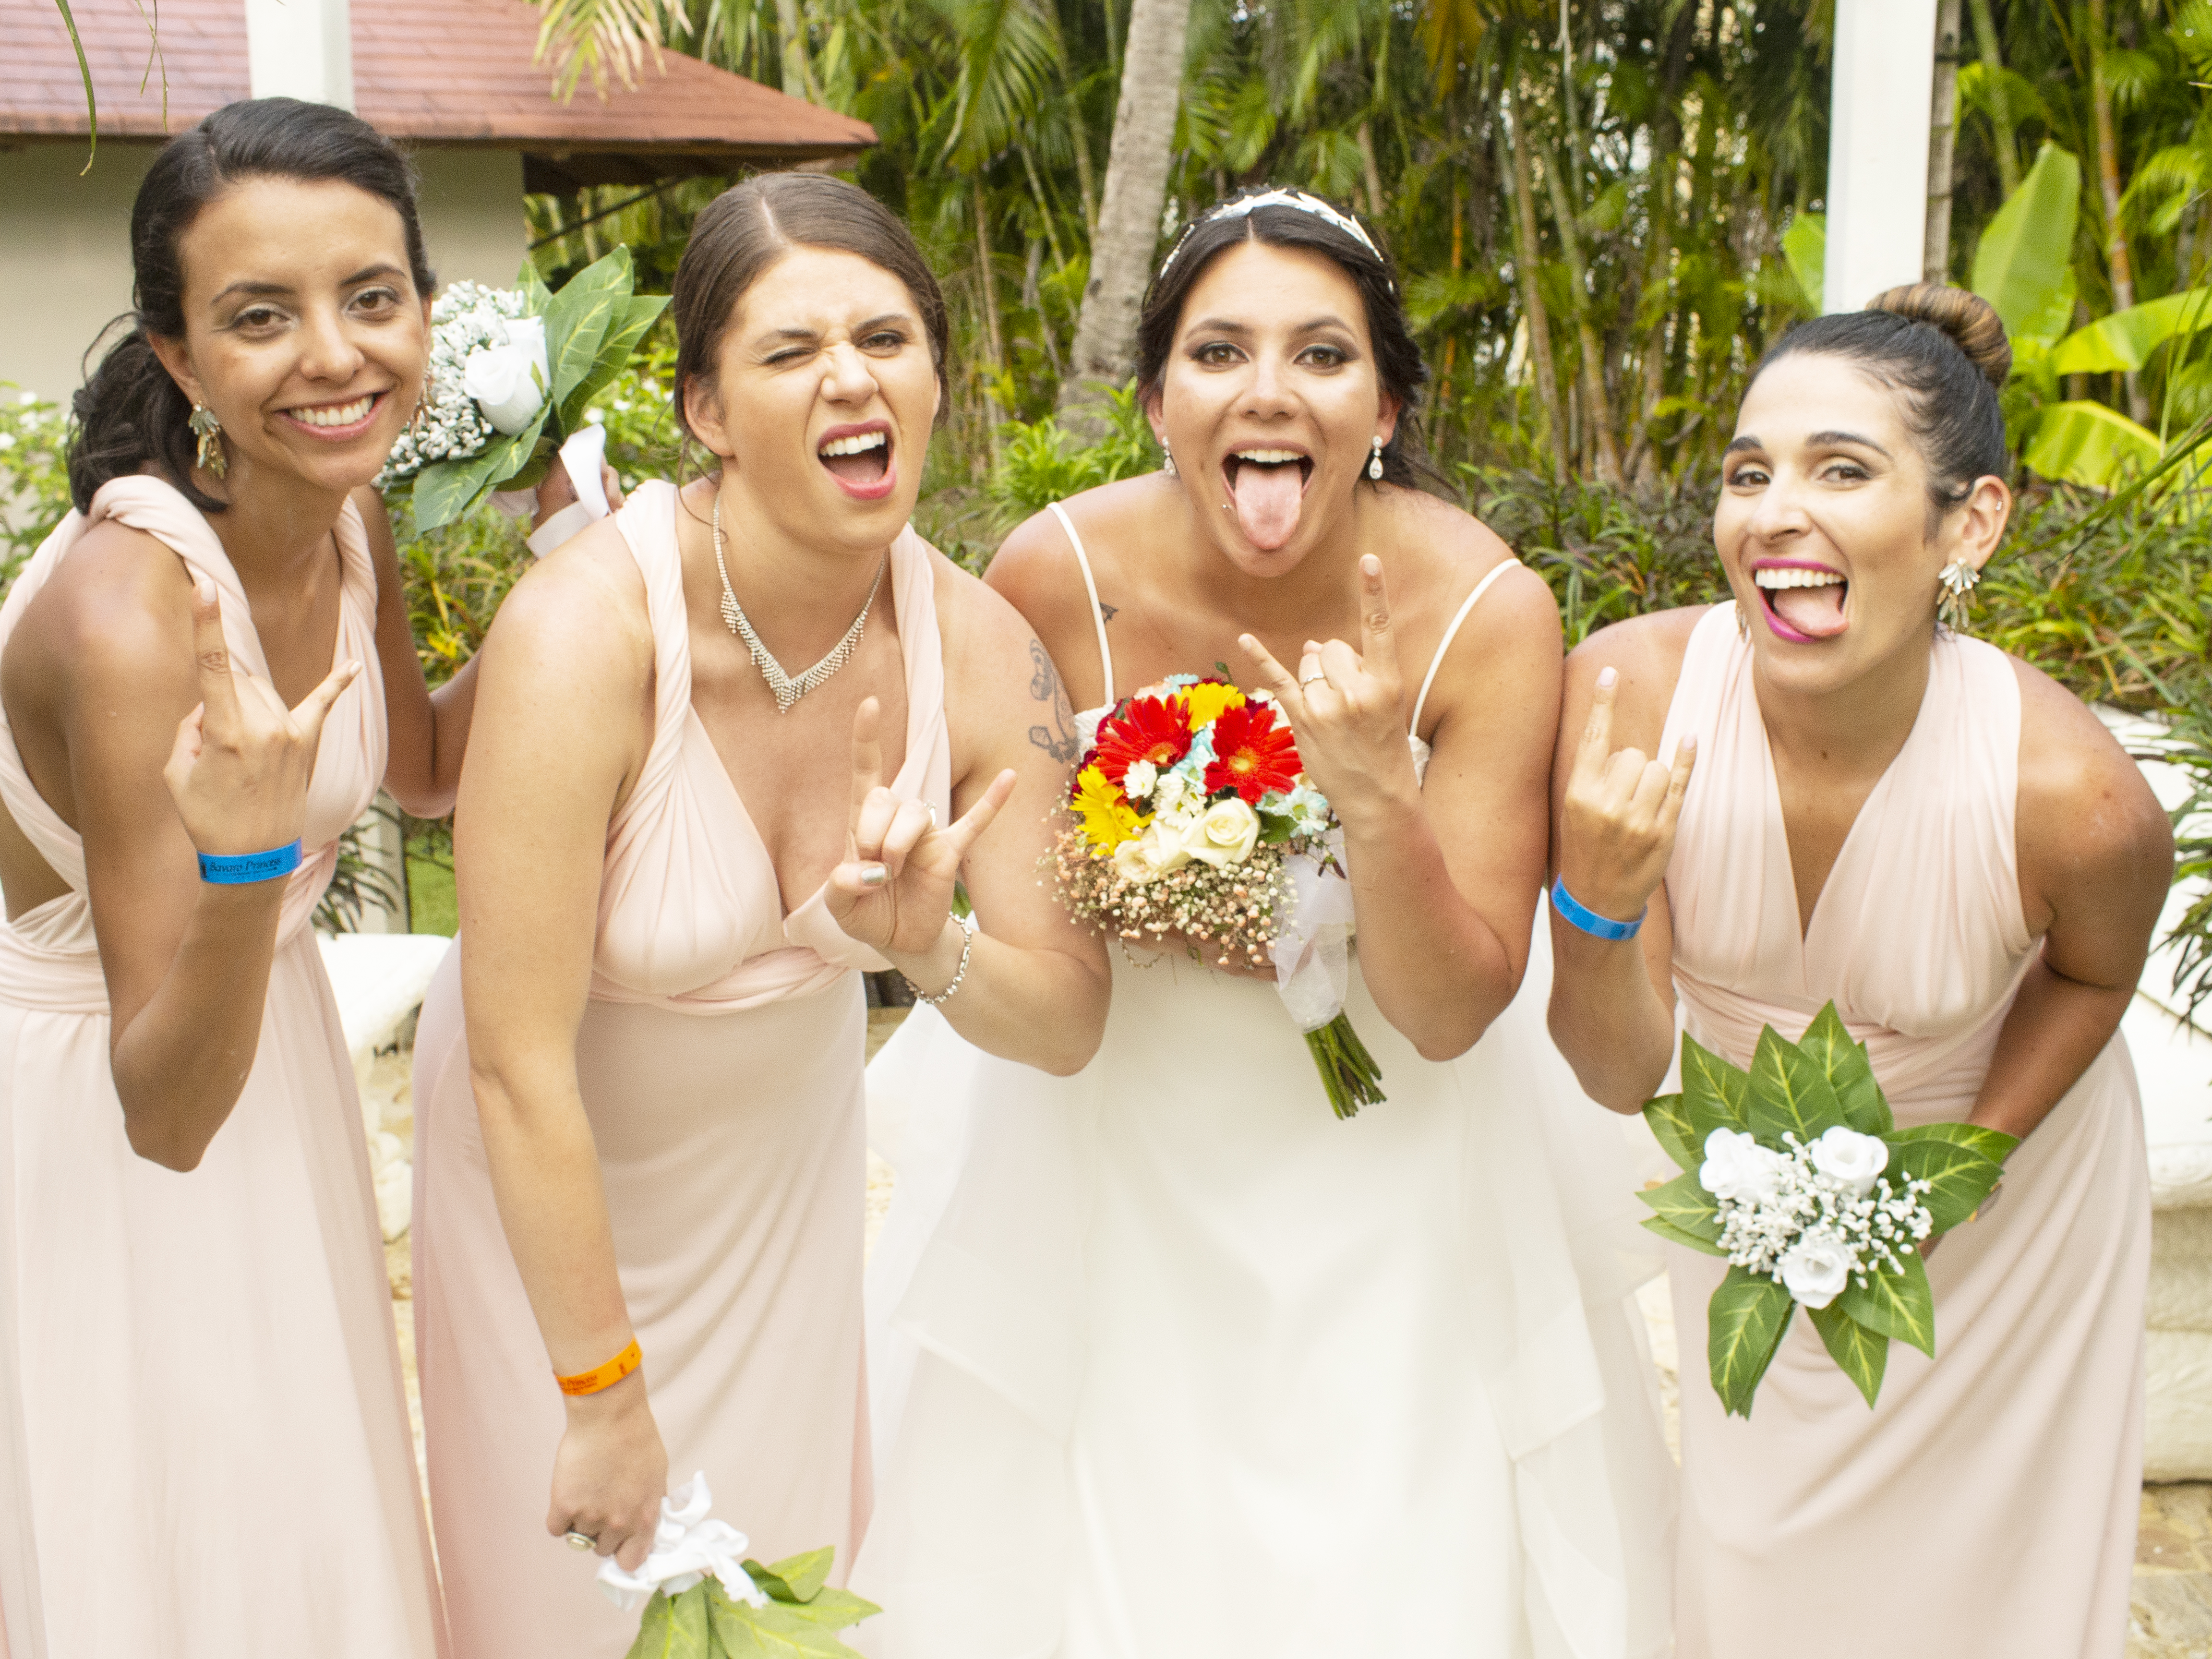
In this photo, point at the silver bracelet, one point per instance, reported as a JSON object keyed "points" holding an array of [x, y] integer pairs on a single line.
{"points": [[966, 946]]}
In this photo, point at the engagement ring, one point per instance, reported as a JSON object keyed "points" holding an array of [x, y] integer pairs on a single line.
{"points": [[578, 1541]]}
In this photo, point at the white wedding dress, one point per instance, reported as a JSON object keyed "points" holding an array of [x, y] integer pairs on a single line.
{"points": [[1168, 1362]]}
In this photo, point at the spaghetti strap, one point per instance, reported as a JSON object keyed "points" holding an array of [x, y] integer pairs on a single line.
{"points": [[1451, 632], [1097, 613]]}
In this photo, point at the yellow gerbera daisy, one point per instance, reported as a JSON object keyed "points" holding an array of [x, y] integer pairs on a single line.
{"points": [[1106, 819], [1207, 700]]}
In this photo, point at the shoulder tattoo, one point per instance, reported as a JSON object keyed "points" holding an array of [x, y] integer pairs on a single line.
{"points": [[1056, 736]]}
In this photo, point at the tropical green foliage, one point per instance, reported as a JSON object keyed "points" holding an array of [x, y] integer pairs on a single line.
{"points": [[33, 474]]}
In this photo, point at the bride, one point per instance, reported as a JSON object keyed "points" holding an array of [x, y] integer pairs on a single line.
{"points": [[1165, 1359]]}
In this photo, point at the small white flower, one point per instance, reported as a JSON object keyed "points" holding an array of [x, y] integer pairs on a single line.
{"points": [[1224, 835], [1738, 1170], [1168, 791], [1851, 1160], [1137, 782], [1815, 1269]]}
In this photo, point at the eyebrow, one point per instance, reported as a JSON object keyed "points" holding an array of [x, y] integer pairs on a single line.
{"points": [[1224, 326], [1826, 439], [795, 333], [267, 290]]}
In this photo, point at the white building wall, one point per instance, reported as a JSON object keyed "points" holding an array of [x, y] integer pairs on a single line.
{"points": [[65, 243]]}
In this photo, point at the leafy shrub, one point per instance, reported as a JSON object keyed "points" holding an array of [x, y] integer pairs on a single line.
{"points": [[1041, 462], [33, 475]]}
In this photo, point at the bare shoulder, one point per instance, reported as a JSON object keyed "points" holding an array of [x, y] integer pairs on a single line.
{"points": [[1034, 566], [1647, 652], [579, 611], [979, 624], [2082, 799], [114, 619]]}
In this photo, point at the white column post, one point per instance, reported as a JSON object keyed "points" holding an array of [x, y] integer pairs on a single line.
{"points": [[1878, 121], [301, 49]]}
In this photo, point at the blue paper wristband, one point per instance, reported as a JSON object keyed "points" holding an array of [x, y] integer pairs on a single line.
{"points": [[244, 869], [1581, 915]]}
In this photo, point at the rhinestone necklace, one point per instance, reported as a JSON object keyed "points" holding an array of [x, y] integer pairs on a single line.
{"points": [[787, 690]]}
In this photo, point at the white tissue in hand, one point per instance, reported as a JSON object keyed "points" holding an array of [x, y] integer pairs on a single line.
{"points": [[686, 1547]]}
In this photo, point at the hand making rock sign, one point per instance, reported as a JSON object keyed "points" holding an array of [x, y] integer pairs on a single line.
{"points": [[1617, 826]]}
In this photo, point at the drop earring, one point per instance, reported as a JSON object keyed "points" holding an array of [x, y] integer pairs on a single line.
{"points": [[208, 430], [1167, 458], [1375, 462], [1742, 625], [1957, 580]]}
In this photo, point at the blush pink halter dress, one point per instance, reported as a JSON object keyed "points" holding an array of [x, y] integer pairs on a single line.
{"points": [[721, 1060]]}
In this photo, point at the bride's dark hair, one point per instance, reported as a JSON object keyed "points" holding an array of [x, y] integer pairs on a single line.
{"points": [[130, 411], [1399, 366]]}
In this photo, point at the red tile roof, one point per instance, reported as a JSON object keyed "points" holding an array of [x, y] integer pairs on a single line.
{"points": [[435, 71]]}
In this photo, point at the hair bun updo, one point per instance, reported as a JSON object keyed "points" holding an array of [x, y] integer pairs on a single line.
{"points": [[1970, 321]]}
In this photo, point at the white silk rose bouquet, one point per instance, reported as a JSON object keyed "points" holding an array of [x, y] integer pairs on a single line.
{"points": [[511, 372], [1797, 1174], [1193, 818]]}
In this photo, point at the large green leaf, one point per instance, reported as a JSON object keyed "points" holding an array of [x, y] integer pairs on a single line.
{"points": [[578, 318], [1829, 1045], [1674, 1235], [533, 287], [445, 490], [675, 1627], [1712, 1092], [797, 1578], [1670, 1126], [1860, 1353], [1745, 1321], [2086, 443], [2021, 267], [631, 320], [1682, 1203], [2125, 339], [1899, 1304], [1992, 1143], [1958, 1177], [834, 1610], [775, 1631], [1805, 248], [1790, 1094]]}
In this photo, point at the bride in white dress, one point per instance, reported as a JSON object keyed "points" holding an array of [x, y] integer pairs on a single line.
{"points": [[1166, 1360]]}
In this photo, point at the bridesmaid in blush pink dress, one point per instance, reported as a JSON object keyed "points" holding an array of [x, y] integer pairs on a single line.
{"points": [[639, 1080], [204, 1450], [1891, 815]]}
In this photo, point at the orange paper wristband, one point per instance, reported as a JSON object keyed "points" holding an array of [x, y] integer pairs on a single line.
{"points": [[603, 1376]]}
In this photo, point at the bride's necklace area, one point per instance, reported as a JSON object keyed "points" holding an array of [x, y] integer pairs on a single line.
{"points": [[787, 690]]}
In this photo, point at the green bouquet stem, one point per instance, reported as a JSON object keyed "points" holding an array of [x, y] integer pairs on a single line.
{"points": [[1348, 1072]]}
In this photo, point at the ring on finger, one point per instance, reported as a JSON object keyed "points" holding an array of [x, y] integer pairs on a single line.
{"points": [[578, 1541], [1308, 679]]}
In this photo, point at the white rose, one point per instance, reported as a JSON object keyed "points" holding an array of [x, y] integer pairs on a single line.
{"points": [[1850, 1159], [1738, 1167], [1225, 836], [1815, 1269], [1153, 853], [507, 382], [1137, 782]]}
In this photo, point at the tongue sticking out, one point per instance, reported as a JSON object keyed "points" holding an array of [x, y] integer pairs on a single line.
{"points": [[1815, 611], [1267, 500]]}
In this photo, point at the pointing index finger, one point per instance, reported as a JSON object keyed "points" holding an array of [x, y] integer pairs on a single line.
{"points": [[1597, 735], [867, 752], [212, 651], [1378, 647]]}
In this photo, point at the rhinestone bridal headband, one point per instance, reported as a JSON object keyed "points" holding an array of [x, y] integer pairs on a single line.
{"points": [[1297, 200]]}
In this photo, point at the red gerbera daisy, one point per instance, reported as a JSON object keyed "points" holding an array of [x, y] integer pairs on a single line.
{"points": [[1152, 729], [1251, 753]]}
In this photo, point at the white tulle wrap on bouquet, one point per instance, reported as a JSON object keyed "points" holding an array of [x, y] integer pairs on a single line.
{"points": [[1313, 952]]}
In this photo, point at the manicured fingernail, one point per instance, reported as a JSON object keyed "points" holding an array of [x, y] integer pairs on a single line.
{"points": [[874, 876], [1605, 678], [1371, 565], [1688, 744], [203, 591]]}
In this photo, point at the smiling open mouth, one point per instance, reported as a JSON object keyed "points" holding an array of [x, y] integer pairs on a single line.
{"points": [[1803, 602], [861, 459], [1267, 486], [337, 418]]}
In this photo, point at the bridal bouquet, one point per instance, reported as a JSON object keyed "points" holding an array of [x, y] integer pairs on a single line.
{"points": [[702, 1602], [1797, 1174], [1192, 818], [511, 372]]}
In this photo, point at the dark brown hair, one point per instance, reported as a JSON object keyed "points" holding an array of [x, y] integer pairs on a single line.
{"points": [[751, 226], [130, 411], [1944, 350], [1398, 364]]}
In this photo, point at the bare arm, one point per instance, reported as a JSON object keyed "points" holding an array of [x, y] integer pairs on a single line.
{"points": [[1615, 811], [529, 842], [153, 779], [2096, 854], [1444, 874], [429, 730], [1036, 986]]}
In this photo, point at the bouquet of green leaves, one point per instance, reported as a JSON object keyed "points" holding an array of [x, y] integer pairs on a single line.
{"points": [[1798, 1175], [702, 1602], [511, 372]]}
